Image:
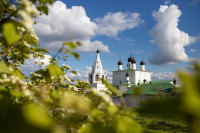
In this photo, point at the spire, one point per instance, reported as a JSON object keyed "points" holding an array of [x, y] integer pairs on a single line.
{"points": [[97, 67], [133, 61], [120, 61], [174, 81], [98, 60], [130, 59], [142, 62], [98, 51]]}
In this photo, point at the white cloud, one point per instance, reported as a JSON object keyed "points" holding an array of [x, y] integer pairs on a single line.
{"points": [[163, 76], [92, 46], [87, 46], [192, 50], [169, 39], [30, 66], [83, 75], [63, 22], [113, 23]]}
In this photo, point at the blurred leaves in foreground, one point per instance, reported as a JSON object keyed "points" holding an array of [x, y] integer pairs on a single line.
{"points": [[185, 105]]}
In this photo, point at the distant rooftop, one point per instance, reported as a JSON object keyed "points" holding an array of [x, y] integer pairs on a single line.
{"points": [[153, 88]]}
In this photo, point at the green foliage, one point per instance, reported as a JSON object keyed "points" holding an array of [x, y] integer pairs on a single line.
{"points": [[161, 107], [71, 45], [35, 115], [156, 125], [137, 91], [127, 125], [55, 71], [4, 68], [10, 33], [184, 105], [190, 97], [48, 101]]}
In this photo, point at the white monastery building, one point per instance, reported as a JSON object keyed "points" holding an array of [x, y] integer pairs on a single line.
{"points": [[97, 74], [131, 74]]}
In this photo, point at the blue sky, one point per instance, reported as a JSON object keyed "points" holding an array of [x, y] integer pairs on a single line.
{"points": [[167, 37]]}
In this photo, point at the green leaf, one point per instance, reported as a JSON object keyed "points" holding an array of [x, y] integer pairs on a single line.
{"points": [[74, 72], [44, 50], [137, 91], [76, 55], [79, 43], [10, 33], [55, 71], [71, 45], [127, 125], [4, 68], [111, 88], [18, 74], [43, 9], [36, 116], [75, 102]]}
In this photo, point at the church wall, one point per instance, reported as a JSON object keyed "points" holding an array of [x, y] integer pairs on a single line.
{"points": [[118, 76], [99, 86], [130, 100], [123, 88], [141, 75], [134, 76]]}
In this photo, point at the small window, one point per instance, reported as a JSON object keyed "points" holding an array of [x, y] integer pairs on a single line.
{"points": [[90, 78], [97, 77], [102, 77]]}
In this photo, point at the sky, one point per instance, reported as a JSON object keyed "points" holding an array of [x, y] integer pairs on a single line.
{"points": [[164, 33]]}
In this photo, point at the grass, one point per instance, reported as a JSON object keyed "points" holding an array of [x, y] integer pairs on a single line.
{"points": [[152, 124], [157, 125]]}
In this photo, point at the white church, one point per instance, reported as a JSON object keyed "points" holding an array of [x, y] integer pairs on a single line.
{"points": [[129, 75]]}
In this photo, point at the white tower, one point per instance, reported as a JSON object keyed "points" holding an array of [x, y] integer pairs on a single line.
{"points": [[129, 65], [133, 64], [142, 65], [120, 65], [97, 74]]}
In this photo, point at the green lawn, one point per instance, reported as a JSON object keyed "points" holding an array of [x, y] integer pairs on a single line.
{"points": [[157, 125]]}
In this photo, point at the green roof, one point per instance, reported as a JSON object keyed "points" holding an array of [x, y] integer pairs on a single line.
{"points": [[156, 88]]}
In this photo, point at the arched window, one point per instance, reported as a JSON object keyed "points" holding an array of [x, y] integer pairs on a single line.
{"points": [[97, 77], [91, 79]]}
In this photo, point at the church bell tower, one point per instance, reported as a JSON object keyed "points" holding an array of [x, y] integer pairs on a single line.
{"points": [[97, 74]]}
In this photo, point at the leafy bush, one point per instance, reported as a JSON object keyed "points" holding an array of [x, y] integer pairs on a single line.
{"points": [[47, 101]]}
